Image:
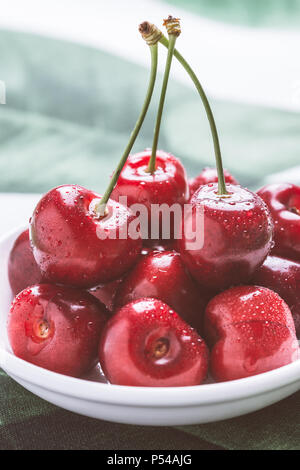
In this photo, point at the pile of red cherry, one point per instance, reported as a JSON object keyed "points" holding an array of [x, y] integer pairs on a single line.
{"points": [[146, 323], [159, 312]]}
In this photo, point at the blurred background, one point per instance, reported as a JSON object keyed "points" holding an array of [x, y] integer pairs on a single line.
{"points": [[75, 74]]}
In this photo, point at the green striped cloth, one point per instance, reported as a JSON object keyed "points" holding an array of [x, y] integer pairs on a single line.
{"points": [[67, 119], [266, 13]]}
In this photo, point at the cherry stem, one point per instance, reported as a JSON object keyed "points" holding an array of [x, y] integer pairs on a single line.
{"points": [[100, 208], [171, 46], [221, 179]]}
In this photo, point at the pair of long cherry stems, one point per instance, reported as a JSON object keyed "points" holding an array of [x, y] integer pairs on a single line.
{"points": [[153, 35]]}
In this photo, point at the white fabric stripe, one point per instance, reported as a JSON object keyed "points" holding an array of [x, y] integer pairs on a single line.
{"points": [[241, 64]]}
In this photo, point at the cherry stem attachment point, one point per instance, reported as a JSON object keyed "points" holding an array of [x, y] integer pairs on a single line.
{"points": [[174, 31], [100, 208], [221, 179]]}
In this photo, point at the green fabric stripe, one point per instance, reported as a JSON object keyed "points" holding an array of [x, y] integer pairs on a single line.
{"points": [[258, 13], [16, 405], [32, 423], [277, 427], [70, 124]]}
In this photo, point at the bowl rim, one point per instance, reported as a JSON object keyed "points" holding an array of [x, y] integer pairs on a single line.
{"points": [[224, 392]]}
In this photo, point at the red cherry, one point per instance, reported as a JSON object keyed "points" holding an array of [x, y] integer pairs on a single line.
{"points": [[57, 328], [74, 246], [106, 293], [167, 185], [283, 201], [282, 276], [209, 175], [147, 344], [162, 275], [237, 236], [22, 268], [252, 331]]}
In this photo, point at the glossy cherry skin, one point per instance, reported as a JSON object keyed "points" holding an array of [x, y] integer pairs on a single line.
{"points": [[106, 293], [237, 236], [22, 268], [158, 245], [282, 276], [162, 275], [57, 328], [168, 185], [208, 175], [74, 247], [283, 201], [147, 344], [252, 331]]}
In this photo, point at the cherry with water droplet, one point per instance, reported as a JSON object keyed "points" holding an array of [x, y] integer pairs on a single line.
{"points": [[57, 328], [208, 175], [162, 275], [166, 185], [251, 331], [282, 276], [283, 201], [147, 344], [75, 246], [232, 240]]}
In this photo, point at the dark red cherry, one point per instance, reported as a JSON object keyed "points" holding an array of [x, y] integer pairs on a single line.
{"points": [[225, 237], [73, 246], [106, 293], [252, 331], [162, 275], [147, 344], [22, 268], [167, 185], [282, 276], [283, 201], [208, 175], [157, 245], [57, 328]]}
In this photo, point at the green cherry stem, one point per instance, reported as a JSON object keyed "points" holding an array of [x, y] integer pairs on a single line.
{"points": [[100, 208], [174, 31], [221, 180]]}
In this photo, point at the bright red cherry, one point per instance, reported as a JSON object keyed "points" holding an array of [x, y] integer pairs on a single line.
{"points": [[147, 344], [73, 246], [209, 175], [282, 276], [225, 237], [167, 185], [57, 328], [252, 331], [162, 275], [283, 201], [22, 268]]}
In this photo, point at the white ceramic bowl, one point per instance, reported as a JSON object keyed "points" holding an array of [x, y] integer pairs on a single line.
{"points": [[138, 405]]}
